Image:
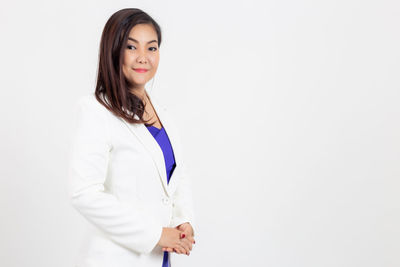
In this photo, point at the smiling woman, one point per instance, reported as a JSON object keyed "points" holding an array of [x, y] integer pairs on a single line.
{"points": [[126, 65], [127, 173], [141, 57]]}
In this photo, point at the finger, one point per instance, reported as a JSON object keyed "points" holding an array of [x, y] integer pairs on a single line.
{"points": [[180, 250], [183, 247], [167, 249], [189, 235], [188, 243], [188, 229], [184, 250], [191, 239], [177, 249]]}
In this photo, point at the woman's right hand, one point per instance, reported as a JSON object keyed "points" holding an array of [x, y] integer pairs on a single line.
{"points": [[171, 239]]}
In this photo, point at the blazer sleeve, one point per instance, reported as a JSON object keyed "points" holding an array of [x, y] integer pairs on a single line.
{"points": [[183, 204], [125, 223]]}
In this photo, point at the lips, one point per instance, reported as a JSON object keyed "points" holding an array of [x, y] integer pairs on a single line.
{"points": [[140, 70]]}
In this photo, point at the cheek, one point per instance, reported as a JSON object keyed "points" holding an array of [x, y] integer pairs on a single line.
{"points": [[154, 61], [125, 69], [127, 59]]}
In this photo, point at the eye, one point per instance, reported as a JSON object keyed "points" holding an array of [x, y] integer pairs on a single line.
{"points": [[130, 46], [155, 48]]}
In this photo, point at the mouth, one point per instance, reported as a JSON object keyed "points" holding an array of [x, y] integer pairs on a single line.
{"points": [[141, 70]]}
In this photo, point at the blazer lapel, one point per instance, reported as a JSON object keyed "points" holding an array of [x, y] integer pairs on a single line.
{"points": [[152, 146], [170, 129]]}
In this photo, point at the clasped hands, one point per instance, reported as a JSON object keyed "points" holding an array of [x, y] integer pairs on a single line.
{"points": [[179, 239]]}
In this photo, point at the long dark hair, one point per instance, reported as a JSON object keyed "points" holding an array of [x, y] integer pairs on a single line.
{"points": [[112, 87]]}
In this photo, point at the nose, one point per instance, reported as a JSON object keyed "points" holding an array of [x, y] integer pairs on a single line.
{"points": [[142, 58]]}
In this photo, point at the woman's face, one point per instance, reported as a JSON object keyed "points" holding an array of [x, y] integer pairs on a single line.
{"points": [[141, 56]]}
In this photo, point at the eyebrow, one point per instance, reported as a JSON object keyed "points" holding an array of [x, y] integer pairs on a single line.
{"points": [[136, 41]]}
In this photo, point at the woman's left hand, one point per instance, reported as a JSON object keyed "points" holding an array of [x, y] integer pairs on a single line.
{"points": [[187, 231]]}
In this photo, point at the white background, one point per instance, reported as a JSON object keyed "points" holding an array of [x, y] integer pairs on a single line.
{"points": [[289, 112]]}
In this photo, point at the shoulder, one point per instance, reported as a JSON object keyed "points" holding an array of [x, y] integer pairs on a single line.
{"points": [[89, 103], [87, 100]]}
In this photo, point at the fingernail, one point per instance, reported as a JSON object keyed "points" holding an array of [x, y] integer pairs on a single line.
{"points": [[183, 235]]}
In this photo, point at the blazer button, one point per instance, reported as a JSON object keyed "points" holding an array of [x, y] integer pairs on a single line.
{"points": [[165, 200]]}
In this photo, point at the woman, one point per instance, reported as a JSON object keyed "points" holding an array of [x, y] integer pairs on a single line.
{"points": [[126, 172]]}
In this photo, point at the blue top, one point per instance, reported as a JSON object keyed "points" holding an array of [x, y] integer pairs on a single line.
{"points": [[162, 139]]}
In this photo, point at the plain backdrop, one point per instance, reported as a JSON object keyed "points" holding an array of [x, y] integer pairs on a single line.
{"points": [[289, 113]]}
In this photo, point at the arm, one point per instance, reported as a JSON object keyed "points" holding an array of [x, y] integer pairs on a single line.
{"points": [[124, 223], [183, 205]]}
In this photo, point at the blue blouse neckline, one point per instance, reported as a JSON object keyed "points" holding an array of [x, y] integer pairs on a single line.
{"points": [[155, 127]]}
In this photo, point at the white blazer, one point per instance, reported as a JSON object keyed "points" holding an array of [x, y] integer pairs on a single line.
{"points": [[117, 180]]}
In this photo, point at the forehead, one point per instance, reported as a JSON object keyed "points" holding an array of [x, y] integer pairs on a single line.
{"points": [[143, 32]]}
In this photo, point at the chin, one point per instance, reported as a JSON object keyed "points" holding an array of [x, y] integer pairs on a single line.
{"points": [[140, 82]]}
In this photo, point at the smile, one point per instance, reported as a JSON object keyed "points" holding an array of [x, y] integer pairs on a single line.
{"points": [[140, 70]]}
